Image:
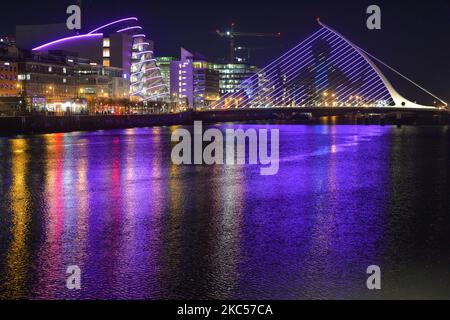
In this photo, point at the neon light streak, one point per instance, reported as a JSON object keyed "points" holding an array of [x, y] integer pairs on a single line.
{"points": [[129, 28], [145, 61], [297, 66], [139, 36], [318, 96], [155, 96], [151, 88], [157, 86], [145, 80], [141, 44], [347, 92], [113, 23], [69, 39], [139, 72], [143, 52]]}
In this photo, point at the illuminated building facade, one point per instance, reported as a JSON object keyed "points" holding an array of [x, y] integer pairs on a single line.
{"points": [[47, 82], [61, 83], [120, 44], [10, 89], [194, 81], [9, 82], [163, 64], [232, 75]]}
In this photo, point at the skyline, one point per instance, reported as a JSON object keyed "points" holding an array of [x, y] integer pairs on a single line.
{"points": [[146, 157], [400, 28]]}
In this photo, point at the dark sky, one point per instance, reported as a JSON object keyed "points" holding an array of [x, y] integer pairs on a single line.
{"points": [[415, 37]]}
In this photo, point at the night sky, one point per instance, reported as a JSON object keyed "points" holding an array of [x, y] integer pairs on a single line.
{"points": [[415, 37]]}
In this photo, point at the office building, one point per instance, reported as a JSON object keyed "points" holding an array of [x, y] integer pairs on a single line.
{"points": [[193, 80], [9, 83], [232, 75]]}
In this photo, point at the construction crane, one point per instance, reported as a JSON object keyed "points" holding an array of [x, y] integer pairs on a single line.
{"points": [[231, 35]]}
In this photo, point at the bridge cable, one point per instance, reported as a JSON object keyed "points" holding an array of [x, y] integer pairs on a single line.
{"points": [[401, 75]]}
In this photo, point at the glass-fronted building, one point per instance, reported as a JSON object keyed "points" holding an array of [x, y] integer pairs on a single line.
{"points": [[232, 75]]}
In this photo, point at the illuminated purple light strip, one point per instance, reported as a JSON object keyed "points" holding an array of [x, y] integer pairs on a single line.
{"points": [[348, 64], [151, 88], [139, 36], [145, 80], [374, 94], [64, 40], [292, 71], [280, 94], [369, 63], [145, 61], [155, 96], [129, 28], [293, 64], [144, 52], [141, 44], [348, 92], [139, 72], [351, 67], [364, 92], [113, 23]]}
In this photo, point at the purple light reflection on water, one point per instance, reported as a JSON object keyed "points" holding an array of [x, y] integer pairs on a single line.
{"points": [[142, 228]]}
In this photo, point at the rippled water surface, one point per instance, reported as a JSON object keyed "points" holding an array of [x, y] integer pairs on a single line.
{"points": [[111, 202]]}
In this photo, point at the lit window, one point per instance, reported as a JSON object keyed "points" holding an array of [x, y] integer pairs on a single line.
{"points": [[106, 43], [106, 53]]}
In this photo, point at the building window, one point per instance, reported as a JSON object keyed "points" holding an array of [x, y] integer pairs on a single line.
{"points": [[106, 53], [106, 43], [106, 63]]}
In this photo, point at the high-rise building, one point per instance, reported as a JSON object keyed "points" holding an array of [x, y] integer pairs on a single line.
{"points": [[232, 75], [193, 80]]}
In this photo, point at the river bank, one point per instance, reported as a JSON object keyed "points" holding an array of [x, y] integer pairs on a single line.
{"points": [[46, 124]]}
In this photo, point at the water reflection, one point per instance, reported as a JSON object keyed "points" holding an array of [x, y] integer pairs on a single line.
{"points": [[140, 227], [17, 261]]}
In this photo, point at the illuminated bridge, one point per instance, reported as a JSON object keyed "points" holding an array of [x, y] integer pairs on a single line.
{"points": [[326, 70]]}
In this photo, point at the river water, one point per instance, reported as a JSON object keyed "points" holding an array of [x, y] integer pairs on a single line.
{"points": [[139, 227]]}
